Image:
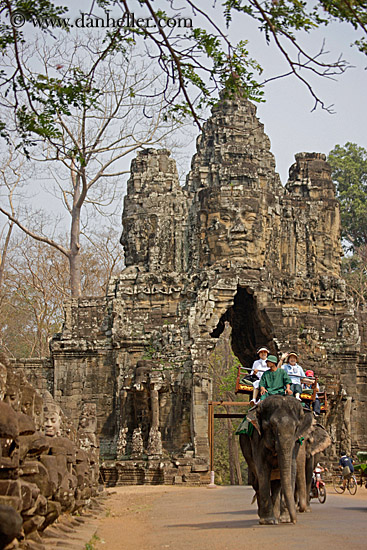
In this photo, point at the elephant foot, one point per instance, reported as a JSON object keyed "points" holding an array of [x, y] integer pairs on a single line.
{"points": [[268, 521], [285, 518], [308, 509]]}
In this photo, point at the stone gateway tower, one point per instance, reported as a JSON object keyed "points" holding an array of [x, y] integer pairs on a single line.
{"points": [[233, 245]]}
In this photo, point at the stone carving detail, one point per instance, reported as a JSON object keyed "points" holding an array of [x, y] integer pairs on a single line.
{"points": [[121, 443], [42, 473], [155, 442], [137, 443]]}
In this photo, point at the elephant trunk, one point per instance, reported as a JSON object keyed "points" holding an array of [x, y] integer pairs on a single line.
{"points": [[285, 454]]}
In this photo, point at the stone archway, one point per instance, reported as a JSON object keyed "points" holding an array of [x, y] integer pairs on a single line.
{"points": [[251, 326]]}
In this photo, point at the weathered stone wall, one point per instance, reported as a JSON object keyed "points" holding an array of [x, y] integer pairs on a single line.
{"points": [[233, 246], [38, 372], [47, 466]]}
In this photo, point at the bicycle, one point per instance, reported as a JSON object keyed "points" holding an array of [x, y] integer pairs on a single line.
{"points": [[351, 484]]}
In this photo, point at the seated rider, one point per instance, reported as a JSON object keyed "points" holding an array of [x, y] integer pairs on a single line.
{"points": [[258, 368], [310, 384], [295, 373], [346, 464], [275, 381], [318, 471]]}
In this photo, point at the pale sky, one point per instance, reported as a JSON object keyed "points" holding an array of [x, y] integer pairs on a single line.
{"points": [[287, 116]]}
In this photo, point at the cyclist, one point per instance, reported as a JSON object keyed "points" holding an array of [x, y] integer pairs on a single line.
{"points": [[346, 465]]}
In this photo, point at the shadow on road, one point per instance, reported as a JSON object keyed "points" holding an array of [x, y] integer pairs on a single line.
{"points": [[217, 525], [237, 512]]}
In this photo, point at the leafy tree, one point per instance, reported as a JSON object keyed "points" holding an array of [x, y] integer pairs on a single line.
{"points": [[36, 284], [354, 270], [349, 173], [197, 61], [80, 155]]}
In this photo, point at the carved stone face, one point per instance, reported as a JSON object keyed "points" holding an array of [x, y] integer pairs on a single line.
{"points": [[38, 411], [88, 421], [52, 422], [137, 237], [27, 400], [232, 226], [12, 396]]}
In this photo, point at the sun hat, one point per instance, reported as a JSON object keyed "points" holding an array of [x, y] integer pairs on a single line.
{"points": [[263, 348], [309, 373], [293, 353], [272, 359]]}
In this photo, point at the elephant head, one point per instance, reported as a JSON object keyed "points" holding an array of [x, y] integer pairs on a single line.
{"points": [[280, 424]]}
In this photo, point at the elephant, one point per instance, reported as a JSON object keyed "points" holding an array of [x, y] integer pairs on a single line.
{"points": [[280, 423], [316, 441]]}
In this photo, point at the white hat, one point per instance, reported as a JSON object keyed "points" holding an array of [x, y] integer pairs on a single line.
{"points": [[263, 348]]}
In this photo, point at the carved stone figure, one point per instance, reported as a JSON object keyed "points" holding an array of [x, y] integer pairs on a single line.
{"points": [[13, 384], [137, 443], [155, 442], [52, 417], [121, 443], [140, 406], [88, 426]]}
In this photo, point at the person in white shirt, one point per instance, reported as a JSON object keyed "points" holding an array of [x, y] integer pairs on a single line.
{"points": [[295, 373], [258, 368]]}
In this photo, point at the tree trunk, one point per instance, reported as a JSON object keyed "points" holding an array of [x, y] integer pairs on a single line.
{"points": [[74, 258], [236, 458], [5, 250], [232, 467]]}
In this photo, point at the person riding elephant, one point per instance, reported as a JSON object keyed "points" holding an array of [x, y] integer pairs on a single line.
{"points": [[279, 423], [275, 381]]}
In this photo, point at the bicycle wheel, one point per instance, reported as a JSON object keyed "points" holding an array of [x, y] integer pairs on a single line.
{"points": [[321, 494], [352, 485], [338, 484]]}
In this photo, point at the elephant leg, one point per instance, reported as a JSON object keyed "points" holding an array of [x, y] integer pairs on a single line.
{"points": [[301, 496], [266, 510], [309, 471], [275, 497], [284, 512]]}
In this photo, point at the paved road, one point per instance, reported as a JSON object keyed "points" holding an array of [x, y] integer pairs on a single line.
{"points": [[182, 518]]}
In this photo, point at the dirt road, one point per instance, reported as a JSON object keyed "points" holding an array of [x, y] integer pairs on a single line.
{"points": [[178, 518]]}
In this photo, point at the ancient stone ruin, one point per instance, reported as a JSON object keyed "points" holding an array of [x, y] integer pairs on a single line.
{"points": [[233, 245], [47, 467]]}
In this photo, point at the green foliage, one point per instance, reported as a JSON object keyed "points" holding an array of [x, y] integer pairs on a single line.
{"points": [[221, 455], [91, 544], [354, 271], [349, 172], [197, 62]]}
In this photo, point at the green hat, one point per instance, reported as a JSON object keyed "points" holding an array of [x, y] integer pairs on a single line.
{"points": [[272, 359]]}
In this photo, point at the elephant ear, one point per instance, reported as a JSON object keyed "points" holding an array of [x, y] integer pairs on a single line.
{"points": [[254, 418], [306, 421], [320, 439]]}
